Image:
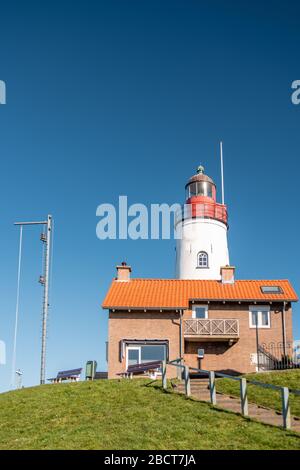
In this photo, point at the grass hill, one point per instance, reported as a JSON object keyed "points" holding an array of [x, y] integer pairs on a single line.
{"points": [[127, 414], [261, 396]]}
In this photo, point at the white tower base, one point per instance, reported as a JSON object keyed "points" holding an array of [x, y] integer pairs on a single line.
{"points": [[201, 235]]}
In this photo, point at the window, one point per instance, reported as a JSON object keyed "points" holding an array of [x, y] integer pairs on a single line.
{"points": [[200, 311], [199, 188], [259, 316], [204, 188], [192, 190], [202, 259], [133, 356], [264, 318], [141, 353], [271, 290], [153, 352]]}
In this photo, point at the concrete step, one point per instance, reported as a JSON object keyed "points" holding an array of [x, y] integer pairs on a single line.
{"points": [[194, 386], [200, 391]]}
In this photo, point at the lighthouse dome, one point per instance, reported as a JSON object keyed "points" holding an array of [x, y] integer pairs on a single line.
{"points": [[200, 177]]}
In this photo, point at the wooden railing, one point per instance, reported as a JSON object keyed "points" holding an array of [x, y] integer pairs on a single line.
{"points": [[212, 327]]}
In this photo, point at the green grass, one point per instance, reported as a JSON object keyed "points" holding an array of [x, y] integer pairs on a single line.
{"points": [[263, 396], [111, 414]]}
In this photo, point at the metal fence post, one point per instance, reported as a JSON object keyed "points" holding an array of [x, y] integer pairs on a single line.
{"points": [[286, 413], [244, 396], [164, 375], [187, 381], [212, 387], [179, 370]]}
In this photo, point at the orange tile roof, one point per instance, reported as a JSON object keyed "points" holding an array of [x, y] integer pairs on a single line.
{"points": [[176, 293]]}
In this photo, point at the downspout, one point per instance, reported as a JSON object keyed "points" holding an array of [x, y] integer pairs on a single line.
{"points": [[179, 370], [284, 330], [180, 334], [257, 340]]}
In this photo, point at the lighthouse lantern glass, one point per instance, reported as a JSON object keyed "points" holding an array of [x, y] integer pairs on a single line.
{"points": [[199, 188]]}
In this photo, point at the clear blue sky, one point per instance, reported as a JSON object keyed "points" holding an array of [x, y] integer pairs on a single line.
{"points": [[128, 97]]}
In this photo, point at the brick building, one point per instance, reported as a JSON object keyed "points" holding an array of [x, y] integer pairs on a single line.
{"points": [[205, 315]]}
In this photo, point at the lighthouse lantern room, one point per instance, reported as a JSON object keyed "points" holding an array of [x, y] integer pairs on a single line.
{"points": [[201, 231]]}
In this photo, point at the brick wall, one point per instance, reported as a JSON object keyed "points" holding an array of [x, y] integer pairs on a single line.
{"points": [[218, 355], [236, 358], [141, 325]]}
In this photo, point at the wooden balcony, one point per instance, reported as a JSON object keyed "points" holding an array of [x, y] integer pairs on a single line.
{"points": [[211, 329]]}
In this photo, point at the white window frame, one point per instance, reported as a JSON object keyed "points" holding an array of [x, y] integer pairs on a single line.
{"points": [[139, 348], [207, 260], [259, 309], [201, 306], [132, 347]]}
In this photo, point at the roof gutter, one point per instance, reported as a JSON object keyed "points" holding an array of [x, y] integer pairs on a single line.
{"points": [[145, 308], [198, 299]]}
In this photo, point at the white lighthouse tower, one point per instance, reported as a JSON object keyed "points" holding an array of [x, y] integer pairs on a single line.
{"points": [[201, 229]]}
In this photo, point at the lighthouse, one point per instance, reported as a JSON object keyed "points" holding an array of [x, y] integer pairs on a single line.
{"points": [[201, 231]]}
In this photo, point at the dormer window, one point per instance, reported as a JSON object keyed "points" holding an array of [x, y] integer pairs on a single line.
{"points": [[202, 259]]}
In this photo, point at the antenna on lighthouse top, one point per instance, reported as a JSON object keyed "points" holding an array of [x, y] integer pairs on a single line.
{"points": [[222, 171]]}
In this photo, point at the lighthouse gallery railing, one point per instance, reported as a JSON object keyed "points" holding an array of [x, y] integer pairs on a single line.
{"points": [[202, 211]]}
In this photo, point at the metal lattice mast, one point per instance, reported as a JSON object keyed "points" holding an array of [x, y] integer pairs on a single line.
{"points": [[47, 241]]}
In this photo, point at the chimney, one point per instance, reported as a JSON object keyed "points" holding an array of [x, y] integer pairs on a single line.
{"points": [[123, 272], [227, 274]]}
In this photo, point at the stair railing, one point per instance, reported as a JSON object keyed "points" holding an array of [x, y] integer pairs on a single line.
{"points": [[185, 373]]}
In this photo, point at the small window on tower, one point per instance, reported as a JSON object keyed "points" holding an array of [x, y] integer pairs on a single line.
{"points": [[202, 259]]}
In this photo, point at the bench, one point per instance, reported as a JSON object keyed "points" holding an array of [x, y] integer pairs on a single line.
{"points": [[142, 368], [100, 375], [73, 375]]}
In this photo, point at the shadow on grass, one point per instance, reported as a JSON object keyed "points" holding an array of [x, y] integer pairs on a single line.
{"points": [[150, 383]]}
